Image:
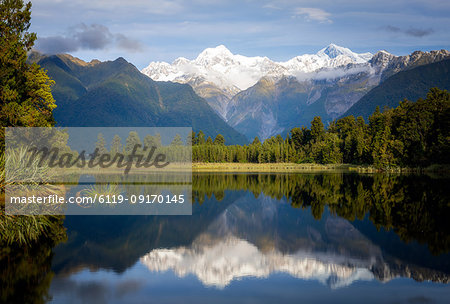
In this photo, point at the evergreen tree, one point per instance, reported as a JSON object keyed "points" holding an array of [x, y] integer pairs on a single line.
{"points": [[413, 134], [149, 141], [256, 141], [200, 138], [101, 145], [177, 141], [157, 140], [116, 145], [131, 141], [219, 140], [191, 139], [25, 94], [317, 130]]}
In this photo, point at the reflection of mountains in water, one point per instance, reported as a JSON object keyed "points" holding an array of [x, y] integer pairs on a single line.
{"points": [[259, 237], [233, 258]]}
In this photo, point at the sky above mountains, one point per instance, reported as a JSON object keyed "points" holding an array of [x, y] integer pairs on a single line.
{"points": [[162, 30]]}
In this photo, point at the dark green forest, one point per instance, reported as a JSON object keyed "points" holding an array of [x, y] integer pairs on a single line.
{"points": [[415, 134], [411, 84], [413, 206]]}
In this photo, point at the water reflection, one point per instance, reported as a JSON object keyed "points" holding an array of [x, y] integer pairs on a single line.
{"points": [[25, 270], [333, 229], [415, 207], [257, 237], [247, 239]]}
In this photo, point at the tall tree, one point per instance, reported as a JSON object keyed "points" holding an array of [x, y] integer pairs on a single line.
{"points": [[317, 130], [177, 141], [116, 145], [132, 140], [219, 140], [101, 144], [25, 94], [191, 139], [200, 138]]}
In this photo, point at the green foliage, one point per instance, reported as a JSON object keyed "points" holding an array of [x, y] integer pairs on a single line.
{"points": [[415, 134], [131, 141], [26, 99], [411, 84], [177, 141], [116, 145], [101, 189], [395, 202], [26, 230], [317, 129], [101, 144], [219, 140], [116, 94]]}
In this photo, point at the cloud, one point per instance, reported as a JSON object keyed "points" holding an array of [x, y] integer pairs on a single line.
{"points": [[419, 32], [128, 44], [414, 32], [314, 14], [333, 73], [86, 37], [94, 291]]}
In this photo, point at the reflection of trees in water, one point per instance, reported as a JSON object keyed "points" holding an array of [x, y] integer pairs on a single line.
{"points": [[25, 274], [415, 207]]}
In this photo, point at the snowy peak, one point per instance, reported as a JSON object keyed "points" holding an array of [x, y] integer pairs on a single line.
{"points": [[219, 55], [333, 50], [231, 73], [218, 52]]}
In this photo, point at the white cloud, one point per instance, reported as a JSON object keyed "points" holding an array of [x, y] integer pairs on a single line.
{"points": [[333, 73], [314, 14]]}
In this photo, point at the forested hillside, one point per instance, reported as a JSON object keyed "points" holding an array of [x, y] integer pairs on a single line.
{"points": [[411, 84], [115, 93], [413, 134]]}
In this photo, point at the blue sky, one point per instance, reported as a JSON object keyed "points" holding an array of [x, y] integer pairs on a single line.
{"points": [[162, 30]]}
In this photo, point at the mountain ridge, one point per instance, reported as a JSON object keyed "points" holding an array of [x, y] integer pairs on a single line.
{"points": [[115, 93], [221, 60], [324, 84], [410, 84]]}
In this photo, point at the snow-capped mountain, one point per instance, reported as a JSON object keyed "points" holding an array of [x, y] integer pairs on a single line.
{"points": [[261, 97], [332, 56], [231, 258], [220, 254], [233, 73]]}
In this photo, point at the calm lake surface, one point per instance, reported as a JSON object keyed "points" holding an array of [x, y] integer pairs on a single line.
{"points": [[267, 238]]}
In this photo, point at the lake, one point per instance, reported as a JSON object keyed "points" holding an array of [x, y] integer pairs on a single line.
{"points": [[260, 238]]}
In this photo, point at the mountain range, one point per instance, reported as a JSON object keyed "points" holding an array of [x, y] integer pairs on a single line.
{"points": [[239, 97], [261, 97], [116, 94]]}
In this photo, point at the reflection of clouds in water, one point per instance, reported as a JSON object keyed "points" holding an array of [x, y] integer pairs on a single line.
{"points": [[247, 240], [91, 291], [231, 258]]}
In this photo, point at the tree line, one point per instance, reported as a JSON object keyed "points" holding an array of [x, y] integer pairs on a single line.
{"points": [[414, 134], [394, 202], [150, 146]]}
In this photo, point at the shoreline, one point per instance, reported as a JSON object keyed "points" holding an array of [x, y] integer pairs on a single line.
{"points": [[309, 167]]}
